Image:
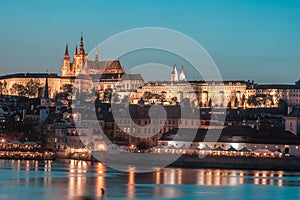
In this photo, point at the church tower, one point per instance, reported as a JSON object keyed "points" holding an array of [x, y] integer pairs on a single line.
{"points": [[45, 101], [174, 75], [66, 65], [80, 58], [97, 54], [182, 75]]}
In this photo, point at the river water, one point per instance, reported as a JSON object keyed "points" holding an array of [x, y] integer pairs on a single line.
{"points": [[72, 179]]}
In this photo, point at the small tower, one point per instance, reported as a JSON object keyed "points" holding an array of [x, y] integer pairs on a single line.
{"points": [[76, 51], [97, 54], [45, 101], [80, 57], [182, 75], [81, 49], [65, 69], [174, 75], [45, 104]]}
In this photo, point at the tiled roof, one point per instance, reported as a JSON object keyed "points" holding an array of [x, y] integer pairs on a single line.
{"points": [[132, 77], [277, 86], [294, 113], [104, 65], [235, 134]]}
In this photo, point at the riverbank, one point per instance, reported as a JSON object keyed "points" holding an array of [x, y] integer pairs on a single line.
{"points": [[244, 163], [29, 155]]}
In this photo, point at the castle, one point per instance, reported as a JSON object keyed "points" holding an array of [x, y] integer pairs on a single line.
{"points": [[81, 64], [89, 73], [105, 72]]}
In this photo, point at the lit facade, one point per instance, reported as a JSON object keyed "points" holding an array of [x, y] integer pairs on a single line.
{"points": [[85, 73]]}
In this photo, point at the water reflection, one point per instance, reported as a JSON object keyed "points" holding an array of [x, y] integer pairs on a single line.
{"points": [[216, 177], [77, 178], [83, 180], [100, 179], [131, 183]]}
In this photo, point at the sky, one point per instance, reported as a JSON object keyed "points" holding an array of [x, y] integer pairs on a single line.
{"points": [[248, 40]]}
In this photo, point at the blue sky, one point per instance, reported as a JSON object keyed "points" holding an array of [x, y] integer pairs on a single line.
{"points": [[257, 40]]}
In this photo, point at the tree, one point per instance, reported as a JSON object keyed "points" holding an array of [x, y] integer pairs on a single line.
{"points": [[115, 98], [243, 100], [283, 106], [162, 97], [229, 104], [141, 101], [209, 103], [107, 95], [143, 145], [173, 100], [147, 96], [18, 89], [1, 88], [236, 102], [200, 104], [67, 90], [252, 100], [32, 88], [125, 99]]}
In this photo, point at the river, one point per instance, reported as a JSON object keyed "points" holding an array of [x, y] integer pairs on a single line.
{"points": [[71, 179]]}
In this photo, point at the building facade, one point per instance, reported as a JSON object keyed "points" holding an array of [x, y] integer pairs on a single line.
{"points": [[82, 72]]}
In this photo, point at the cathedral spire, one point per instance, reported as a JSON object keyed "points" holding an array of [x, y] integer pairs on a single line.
{"points": [[81, 50], [182, 74], [46, 90], [174, 75], [67, 50], [76, 50], [97, 54]]}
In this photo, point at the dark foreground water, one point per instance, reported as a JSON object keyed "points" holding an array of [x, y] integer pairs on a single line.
{"points": [[71, 179]]}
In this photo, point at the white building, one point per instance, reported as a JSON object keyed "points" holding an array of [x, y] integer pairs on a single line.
{"points": [[292, 122]]}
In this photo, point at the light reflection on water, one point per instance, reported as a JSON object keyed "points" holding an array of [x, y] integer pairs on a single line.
{"points": [[73, 179]]}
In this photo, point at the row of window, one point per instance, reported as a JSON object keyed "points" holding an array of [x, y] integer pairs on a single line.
{"points": [[169, 121]]}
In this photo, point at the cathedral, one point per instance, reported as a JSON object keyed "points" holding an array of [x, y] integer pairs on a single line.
{"points": [[177, 77], [82, 70], [82, 65]]}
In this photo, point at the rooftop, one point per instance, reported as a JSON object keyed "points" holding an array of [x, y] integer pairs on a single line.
{"points": [[241, 134]]}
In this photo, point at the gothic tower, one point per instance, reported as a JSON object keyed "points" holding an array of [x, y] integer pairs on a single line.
{"points": [[182, 75], [66, 65], [174, 75], [97, 54], [80, 58]]}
